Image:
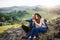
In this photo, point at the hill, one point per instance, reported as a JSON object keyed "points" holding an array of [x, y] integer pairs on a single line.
{"points": [[11, 15]]}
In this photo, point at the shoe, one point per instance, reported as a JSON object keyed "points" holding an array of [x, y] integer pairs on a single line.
{"points": [[35, 38], [30, 38]]}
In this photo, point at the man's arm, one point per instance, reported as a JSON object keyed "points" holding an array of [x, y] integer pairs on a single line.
{"points": [[28, 20]]}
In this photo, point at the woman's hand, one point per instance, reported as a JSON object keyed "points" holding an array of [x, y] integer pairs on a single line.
{"points": [[33, 20]]}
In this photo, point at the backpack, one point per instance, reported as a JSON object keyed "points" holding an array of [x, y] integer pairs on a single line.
{"points": [[45, 21]]}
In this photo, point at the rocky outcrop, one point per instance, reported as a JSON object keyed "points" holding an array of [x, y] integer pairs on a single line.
{"points": [[11, 34], [52, 32]]}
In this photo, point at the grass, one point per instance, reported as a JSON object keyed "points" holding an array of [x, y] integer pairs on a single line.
{"points": [[46, 15], [2, 28]]}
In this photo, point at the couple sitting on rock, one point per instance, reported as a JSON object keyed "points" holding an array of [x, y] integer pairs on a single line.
{"points": [[36, 25]]}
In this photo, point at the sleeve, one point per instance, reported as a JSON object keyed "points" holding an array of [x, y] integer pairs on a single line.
{"points": [[42, 22], [28, 20]]}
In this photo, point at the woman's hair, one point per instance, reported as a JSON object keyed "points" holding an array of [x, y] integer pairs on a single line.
{"points": [[39, 17]]}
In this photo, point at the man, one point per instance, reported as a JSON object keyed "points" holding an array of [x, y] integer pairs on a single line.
{"points": [[28, 28]]}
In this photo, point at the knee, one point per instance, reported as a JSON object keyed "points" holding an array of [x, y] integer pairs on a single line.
{"points": [[23, 26]]}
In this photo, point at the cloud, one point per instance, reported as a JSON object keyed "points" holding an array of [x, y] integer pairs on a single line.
{"points": [[7, 3]]}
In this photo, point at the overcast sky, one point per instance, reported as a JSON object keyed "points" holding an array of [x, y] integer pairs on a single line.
{"points": [[49, 3]]}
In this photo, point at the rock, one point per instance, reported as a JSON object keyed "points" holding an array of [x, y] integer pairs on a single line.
{"points": [[11, 34], [52, 32]]}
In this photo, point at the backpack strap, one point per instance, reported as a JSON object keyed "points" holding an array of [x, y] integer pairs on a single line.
{"points": [[46, 23]]}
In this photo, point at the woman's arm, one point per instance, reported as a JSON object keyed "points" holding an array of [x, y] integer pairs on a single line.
{"points": [[37, 23]]}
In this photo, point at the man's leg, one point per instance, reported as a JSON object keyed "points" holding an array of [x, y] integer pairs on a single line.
{"points": [[30, 37], [36, 32], [26, 33], [25, 28], [32, 31]]}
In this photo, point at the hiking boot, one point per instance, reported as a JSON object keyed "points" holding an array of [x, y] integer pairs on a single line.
{"points": [[30, 38], [35, 38]]}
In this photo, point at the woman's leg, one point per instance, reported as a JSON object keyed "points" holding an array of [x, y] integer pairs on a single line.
{"points": [[37, 30]]}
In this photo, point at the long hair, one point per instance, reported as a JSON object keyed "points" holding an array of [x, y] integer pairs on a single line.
{"points": [[39, 17]]}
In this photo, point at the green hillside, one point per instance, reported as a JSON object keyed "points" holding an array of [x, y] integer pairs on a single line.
{"points": [[15, 17]]}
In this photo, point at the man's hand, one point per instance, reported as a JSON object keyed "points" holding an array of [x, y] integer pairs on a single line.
{"points": [[33, 21]]}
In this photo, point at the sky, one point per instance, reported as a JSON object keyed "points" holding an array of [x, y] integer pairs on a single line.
{"points": [[48, 3]]}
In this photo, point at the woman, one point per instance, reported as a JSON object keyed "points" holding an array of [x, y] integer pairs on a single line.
{"points": [[40, 26]]}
